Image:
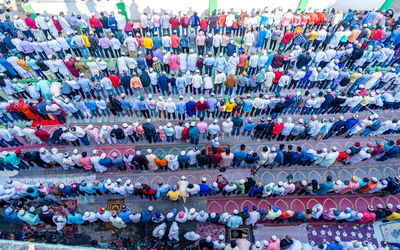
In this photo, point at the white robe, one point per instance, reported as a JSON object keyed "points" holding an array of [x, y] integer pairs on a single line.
{"points": [[95, 161], [105, 217], [157, 229], [121, 21], [232, 64], [254, 217], [174, 231], [329, 159], [189, 236], [192, 60], [182, 62], [117, 222], [172, 162], [64, 24]]}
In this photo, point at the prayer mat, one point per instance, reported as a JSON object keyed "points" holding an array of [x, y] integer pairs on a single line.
{"points": [[347, 232], [62, 210], [114, 204], [210, 229], [243, 232], [388, 231]]}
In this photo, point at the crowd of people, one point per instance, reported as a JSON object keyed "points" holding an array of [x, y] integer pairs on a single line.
{"points": [[266, 129], [215, 157], [174, 217], [49, 194], [68, 85]]}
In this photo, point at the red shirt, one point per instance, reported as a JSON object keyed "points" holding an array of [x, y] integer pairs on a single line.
{"points": [[313, 18], [320, 18], [175, 41], [95, 22], [284, 215], [221, 20], [215, 159], [43, 135], [115, 80], [277, 128], [287, 37], [174, 23], [278, 76], [202, 106], [379, 34], [203, 24], [185, 21], [342, 156], [185, 134]]}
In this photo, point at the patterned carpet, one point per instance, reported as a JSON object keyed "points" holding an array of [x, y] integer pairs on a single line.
{"points": [[345, 232], [59, 210], [300, 203]]}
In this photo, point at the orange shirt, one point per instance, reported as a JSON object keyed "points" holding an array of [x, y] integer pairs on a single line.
{"points": [[162, 163], [354, 35]]}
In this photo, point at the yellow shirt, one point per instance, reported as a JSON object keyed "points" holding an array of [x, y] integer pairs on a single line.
{"points": [[229, 107], [313, 35], [23, 64], [148, 43], [366, 100], [86, 40], [174, 195]]}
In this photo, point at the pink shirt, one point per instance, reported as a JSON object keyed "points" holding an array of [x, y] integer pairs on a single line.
{"points": [[200, 39], [31, 23], [174, 62], [242, 60], [162, 133], [352, 185], [95, 133], [287, 18], [156, 21], [274, 245], [226, 160], [202, 126], [85, 162], [140, 130]]}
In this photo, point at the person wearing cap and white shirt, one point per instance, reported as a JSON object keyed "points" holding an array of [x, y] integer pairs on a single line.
{"points": [[159, 231], [116, 221], [103, 215], [29, 133], [131, 44], [191, 236], [60, 222], [89, 216]]}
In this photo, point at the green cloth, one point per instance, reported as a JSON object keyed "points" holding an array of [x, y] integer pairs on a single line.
{"points": [[121, 6]]}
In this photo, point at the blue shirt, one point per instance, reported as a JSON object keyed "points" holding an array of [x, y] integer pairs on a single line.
{"points": [[163, 190], [238, 157], [249, 126], [85, 84], [334, 246], [142, 105], [181, 107], [124, 215], [247, 105], [100, 186], [157, 42], [75, 219], [91, 105], [237, 122], [190, 108], [89, 188], [212, 102], [163, 82]]}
